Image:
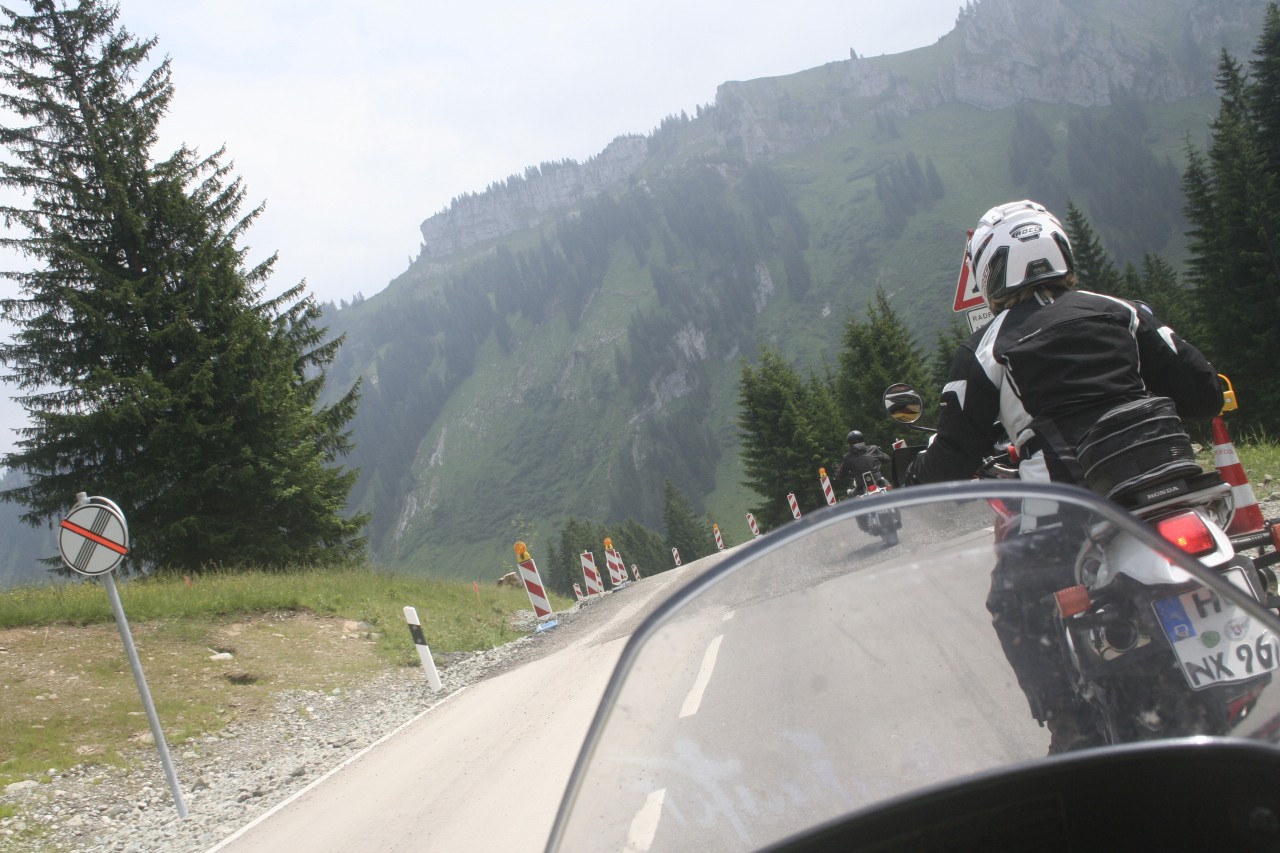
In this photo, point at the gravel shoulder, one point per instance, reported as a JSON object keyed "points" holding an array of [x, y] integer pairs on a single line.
{"points": [[257, 761]]}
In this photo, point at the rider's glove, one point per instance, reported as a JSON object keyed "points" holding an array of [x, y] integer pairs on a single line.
{"points": [[915, 470]]}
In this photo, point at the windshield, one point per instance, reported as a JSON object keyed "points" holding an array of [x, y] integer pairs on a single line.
{"points": [[825, 668]]}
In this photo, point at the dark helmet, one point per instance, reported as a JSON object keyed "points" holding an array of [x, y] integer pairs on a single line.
{"points": [[855, 437]]}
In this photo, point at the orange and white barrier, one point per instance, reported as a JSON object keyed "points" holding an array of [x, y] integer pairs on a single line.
{"points": [[795, 507], [755, 528], [826, 487], [675, 555], [617, 569], [424, 653], [595, 586], [533, 584], [715, 528], [577, 592], [1248, 515]]}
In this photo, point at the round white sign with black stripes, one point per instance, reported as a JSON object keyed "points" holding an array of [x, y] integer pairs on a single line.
{"points": [[93, 539]]}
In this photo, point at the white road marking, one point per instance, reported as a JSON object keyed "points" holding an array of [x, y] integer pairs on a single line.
{"points": [[644, 826], [694, 699]]}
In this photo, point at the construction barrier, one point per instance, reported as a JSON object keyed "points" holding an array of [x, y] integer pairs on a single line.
{"points": [[617, 569], [595, 586], [532, 582], [424, 653], [755, 528], [675, 555], [715, 528], [635, 573], [577, 592], [826, 487], [1248, 515], [795, 507]]}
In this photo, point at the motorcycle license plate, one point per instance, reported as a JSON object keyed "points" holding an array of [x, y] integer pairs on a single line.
{"points": [[1215, 641]]}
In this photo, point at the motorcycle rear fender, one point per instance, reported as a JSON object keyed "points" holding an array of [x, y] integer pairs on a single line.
{"points": [[1124, 555]]}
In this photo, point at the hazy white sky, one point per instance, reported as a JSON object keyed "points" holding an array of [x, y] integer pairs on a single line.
{"points": [[356, 121]]}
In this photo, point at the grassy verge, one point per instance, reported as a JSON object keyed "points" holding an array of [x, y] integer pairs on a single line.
{"points": [[68, 692]]}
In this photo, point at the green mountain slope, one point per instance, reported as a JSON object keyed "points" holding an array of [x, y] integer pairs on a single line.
{"points": [[572, 337]]}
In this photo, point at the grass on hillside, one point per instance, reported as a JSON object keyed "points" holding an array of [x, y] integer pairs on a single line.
{"points": [[68, 691]]}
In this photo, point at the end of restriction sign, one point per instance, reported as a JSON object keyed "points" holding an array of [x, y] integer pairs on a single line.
{"points": [[94, 538]]}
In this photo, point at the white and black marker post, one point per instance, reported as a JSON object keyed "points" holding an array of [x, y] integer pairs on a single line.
{"points": [[93, 540], [424, 653]]}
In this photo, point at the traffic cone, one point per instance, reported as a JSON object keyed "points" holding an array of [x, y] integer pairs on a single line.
{"points": [[1248, 515]]}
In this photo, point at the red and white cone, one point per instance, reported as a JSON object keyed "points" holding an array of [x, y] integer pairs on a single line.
{"points": [[795, 507], [755, 528], [595, 586], [577, 592], [826, 487], [715, 528], [675, 555], [1248, 515]]}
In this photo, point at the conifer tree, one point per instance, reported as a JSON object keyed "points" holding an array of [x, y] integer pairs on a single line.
{"points": [[875, 354], [684, 530], [153, 368], [790, 429], [1091, 262], [1233, 204]]}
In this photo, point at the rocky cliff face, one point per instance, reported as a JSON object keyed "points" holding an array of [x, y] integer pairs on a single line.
{"points": [[1056, 51], [522, 202]]}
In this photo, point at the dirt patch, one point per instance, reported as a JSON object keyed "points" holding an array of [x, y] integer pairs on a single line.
{"points": [[69, 694]]}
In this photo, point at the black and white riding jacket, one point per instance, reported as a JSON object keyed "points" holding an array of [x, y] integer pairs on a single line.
{"points": [[1059, 364]]}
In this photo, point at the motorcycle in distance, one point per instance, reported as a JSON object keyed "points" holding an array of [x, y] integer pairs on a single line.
{"points": [[883, 523], [806, 693], [1145, 647]]}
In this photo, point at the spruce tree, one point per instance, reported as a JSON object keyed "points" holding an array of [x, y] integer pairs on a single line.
{"points": [[1233, 204], [684, 530], [1093, 267], [154, 369], [876, 353], [790, 428]]}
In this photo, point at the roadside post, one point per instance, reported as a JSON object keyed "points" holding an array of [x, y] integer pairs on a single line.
{"points": [[93, 540], [424, 652], [755, 528], [715, 529], [795, 506]]}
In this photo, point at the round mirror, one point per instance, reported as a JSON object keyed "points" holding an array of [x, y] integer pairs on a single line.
{"points": [[903, 403]]}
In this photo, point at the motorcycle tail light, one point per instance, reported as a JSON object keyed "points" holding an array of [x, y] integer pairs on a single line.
{"points": [[1189, 532], [1072, 600]]}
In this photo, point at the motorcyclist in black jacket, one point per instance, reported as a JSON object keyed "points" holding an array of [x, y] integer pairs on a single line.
{"points": [[861, 458], [1048, 365]]}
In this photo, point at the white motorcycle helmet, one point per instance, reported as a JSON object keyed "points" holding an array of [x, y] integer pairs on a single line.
{"points": [[1015, 246]]}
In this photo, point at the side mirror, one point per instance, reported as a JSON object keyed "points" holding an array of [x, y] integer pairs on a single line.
{"points": [[903, 403]]}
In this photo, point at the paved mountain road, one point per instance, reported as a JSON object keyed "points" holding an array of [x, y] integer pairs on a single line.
{"points": [[485, 768]]}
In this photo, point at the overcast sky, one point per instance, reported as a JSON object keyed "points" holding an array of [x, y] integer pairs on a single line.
{"points": [[354, 122]]}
